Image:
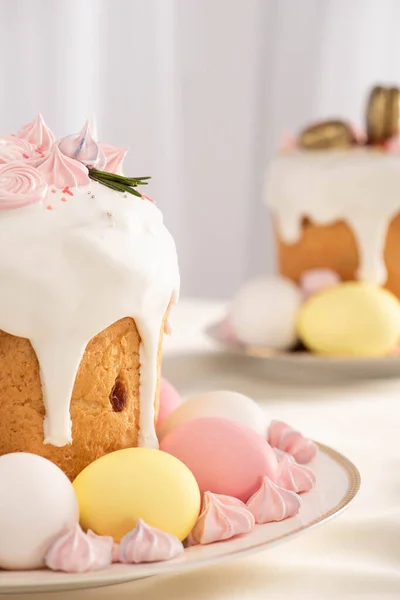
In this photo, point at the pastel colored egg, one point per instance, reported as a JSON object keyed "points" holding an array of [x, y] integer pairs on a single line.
{"points": [[224, 456], [229, 405], [37, 504], [316, 280], [351, 319], [169, 400], [264, 312], [120, 488]]}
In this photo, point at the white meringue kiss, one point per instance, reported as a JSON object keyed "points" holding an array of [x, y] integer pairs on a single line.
{"points": [[78, 552], [294, 477], [83, 148], [148, 544], [284, 437], [273, 503], [222, 517]]}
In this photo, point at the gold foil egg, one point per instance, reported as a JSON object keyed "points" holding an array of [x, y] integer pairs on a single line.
{"points": [[327, 134], [383, 114]]}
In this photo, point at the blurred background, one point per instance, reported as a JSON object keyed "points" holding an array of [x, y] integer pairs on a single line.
{"points": [[201, 91]]}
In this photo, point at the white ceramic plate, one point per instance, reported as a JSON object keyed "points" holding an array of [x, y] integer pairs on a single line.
{"points": [[306, 364], [337, 483]]}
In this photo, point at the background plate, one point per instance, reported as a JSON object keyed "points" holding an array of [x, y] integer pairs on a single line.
{"points": [[337, 483], [305, 365]]}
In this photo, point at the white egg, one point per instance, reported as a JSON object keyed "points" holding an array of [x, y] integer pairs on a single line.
{"points": [[37, 503], [229, 405], [264, 312]]}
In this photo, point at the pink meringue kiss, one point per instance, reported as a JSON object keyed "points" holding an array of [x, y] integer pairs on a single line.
{"points": [[148, 544], [60, 171], [273, 503], [83, 148], [294, 477], [114, 157], [222, 517], [284, 437], [12, 149], [37, 133], [316, 280], [20, 185], [77, 552]]}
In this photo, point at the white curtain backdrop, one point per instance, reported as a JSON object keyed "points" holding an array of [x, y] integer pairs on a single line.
{"points": [[201, 90]]}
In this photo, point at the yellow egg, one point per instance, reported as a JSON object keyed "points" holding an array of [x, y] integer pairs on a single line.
{"points": [[351, 319], [119, 488]]}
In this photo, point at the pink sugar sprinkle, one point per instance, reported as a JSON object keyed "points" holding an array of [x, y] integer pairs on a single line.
{"points": [[63, 199], [25, 156], [54, 191], [66, 190], [147, 198], [49, 207]]}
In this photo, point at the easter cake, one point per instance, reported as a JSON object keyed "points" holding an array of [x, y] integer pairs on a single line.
{"points": [[335, 197], [334, 194], [88, 273]]}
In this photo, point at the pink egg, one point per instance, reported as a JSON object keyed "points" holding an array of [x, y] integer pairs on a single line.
{"points": [[169, 400], [224, 456]]}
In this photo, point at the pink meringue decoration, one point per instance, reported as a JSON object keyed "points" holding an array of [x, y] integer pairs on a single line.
{"points": [[294, 477], [37, 133], [280, 454], [288, 143], [83, 148], [222, 517], [20, 185], [392, 146], [77, 552], [273, 503], [284, 437], [60, 170], [316, 280], [109, 544], [148, 544], [114, 157], [13, 148]]}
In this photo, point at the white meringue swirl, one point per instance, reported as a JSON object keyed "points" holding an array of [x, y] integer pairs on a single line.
{"points": [[148, 544]]}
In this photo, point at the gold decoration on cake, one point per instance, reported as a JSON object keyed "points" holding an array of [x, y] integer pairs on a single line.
{"points": [[333, 134], [383, 114]]}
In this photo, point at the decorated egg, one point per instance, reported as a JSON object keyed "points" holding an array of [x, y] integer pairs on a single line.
{"points": [[351, 319], [316, 280], [37, 504], [224, 456], [169, 400], [264, 312], [120, 488], [229, 405]]}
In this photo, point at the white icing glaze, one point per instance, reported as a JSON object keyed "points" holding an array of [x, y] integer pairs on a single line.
{"points": [[69, 272], [361, 187]]}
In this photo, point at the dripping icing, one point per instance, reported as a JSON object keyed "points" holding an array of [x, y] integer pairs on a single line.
{"points": [[63, 293], [360, 187]]}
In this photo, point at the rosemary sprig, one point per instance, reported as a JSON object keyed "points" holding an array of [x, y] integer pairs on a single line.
{"points": [[119, 183]]}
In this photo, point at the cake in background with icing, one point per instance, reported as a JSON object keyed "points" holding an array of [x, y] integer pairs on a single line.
{"points": [[88, 273], [335, 197]]}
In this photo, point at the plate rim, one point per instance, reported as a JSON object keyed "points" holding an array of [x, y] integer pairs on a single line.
{"points": [[265, 352], [108, 578]]}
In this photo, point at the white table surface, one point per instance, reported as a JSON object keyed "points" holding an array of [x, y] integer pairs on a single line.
{"points": [[356, 555]]}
